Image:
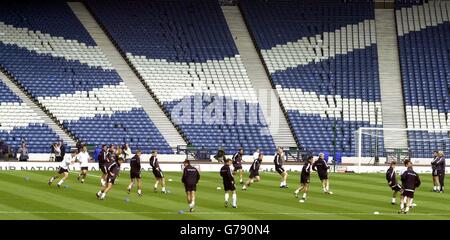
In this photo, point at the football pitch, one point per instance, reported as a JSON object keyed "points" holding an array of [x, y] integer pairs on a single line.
{"points": [[26, 195]]}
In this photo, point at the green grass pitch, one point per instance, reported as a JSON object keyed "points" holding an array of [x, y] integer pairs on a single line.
{"points": [[26, 195]]}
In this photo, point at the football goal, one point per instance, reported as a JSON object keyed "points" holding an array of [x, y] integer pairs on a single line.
{"points": [[383, 145]]}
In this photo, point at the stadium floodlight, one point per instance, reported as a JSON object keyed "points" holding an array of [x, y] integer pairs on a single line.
{"points": [[374, 143]]}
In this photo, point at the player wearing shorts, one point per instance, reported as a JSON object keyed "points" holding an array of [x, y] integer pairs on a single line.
{"points": [[322, 170], [305, 179], [63, 171], [278, 161], [157, 172], [135, 172], [237, 164], [228, 183], [84, 158], [190, 178], [113, 169], [410, 181], [254, 172], [392, 181]]}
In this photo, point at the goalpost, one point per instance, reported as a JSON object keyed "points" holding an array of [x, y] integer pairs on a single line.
{"points": [[374, 145]]}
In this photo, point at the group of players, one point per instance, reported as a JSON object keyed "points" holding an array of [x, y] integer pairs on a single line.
{"points": [[320, 165], [109, 164], [410, 180]]}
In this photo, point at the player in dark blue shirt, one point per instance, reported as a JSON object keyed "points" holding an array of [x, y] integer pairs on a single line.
{"points": [[254, 172], [113, 169], [157, 172], [135, 172], [321, 166], [101, 164], [392, 181], [228, 183], [305, 179], [190, 178], [237, 164], [410, 181]]}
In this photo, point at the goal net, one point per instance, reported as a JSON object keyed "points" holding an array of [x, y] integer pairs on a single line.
{"points": [[383, 145]]}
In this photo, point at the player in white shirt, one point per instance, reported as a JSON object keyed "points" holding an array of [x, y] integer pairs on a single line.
{"points": [[83, 158], [256, 154], [63, 171]]}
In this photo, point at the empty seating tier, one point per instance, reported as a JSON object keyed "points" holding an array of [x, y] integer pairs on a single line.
{"points": [[49, 53], [322, 59], [18, 123], [424, 41], [183, 50]]}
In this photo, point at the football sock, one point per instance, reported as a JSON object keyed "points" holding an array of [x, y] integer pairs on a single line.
{"points": [[304, 195], [130, 186], [234, 199], [60, 182], [163, 189], [434, 188], [393, 200], [139, 191]]}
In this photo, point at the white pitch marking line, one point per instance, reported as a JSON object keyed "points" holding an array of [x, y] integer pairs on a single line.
{"points": [[86, 174]]}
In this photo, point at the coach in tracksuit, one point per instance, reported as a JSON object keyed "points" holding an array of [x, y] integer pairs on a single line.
{"points": [[438, 166]]}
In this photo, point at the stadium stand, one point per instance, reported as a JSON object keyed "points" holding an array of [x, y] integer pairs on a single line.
{"points": [[424, 45], [323, 62], [188, 61], [49, 54], [18, 122]]}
